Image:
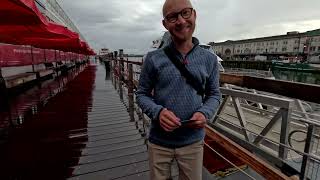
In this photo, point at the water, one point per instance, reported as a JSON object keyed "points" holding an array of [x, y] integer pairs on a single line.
{"points": [[41, 147], [297, 76]]}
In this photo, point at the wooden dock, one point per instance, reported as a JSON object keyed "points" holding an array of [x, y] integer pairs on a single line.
{"points": [[115, 148], [85, 132]]}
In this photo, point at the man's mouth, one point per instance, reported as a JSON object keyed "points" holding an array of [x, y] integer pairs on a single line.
{"points": [[183, 29]]}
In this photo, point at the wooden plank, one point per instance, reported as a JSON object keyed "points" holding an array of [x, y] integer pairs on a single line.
{"points": [[111, 163], [19, 79], [113, 135], [112, 154], [139, 176], [115, 147], [44, 73], [253, 161], [100, 132], [117, 172], [105, 142]]}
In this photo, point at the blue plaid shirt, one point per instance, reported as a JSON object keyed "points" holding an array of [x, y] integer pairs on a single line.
{"points": [[171, 91]]}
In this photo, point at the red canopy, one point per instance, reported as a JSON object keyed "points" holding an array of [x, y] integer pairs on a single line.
{"points": [[22, 12], [22, 23], [67, 44]]}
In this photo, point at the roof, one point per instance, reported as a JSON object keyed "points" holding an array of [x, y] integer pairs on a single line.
{"points": [[289, 35]]}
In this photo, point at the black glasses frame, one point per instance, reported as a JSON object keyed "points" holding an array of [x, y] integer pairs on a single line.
{"points": [[185, 14]]}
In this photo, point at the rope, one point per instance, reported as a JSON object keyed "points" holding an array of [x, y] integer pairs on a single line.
{"points": [[229, 161]]}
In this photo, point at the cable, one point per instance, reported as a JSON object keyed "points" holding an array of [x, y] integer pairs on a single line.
{"points": [[229, 161]]}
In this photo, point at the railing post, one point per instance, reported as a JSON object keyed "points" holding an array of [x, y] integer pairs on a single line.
{"points": [[307, 150], [116, 68], [121, 73], [32, 58], [130, 93], [111, 68], [283, 151]]}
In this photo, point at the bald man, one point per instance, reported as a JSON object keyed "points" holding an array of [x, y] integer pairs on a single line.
{"points": [[177, 111]]}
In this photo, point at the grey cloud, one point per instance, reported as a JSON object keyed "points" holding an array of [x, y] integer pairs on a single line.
{"points": [[133, 24]]}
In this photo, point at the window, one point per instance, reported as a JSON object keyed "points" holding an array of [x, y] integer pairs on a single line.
{"points": [[319, 48], [276, 50], [313, 48], [284, 49], [285, 42], [238, 51]]}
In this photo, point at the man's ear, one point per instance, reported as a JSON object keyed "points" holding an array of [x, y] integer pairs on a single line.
{"points": [[195, 13], [164, 24]]}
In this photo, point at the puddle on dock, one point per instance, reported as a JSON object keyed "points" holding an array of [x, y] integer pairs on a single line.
{"points": [[47, 144]]}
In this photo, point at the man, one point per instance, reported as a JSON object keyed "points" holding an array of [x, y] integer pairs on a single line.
{"points": [[174, 101]]}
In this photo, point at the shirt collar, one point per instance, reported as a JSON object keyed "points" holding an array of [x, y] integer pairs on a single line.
{"points": [[195, 42]]}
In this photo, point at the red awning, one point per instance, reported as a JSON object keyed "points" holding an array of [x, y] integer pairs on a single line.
{"points": [[22, 23], [22, 12], [67, 44]]}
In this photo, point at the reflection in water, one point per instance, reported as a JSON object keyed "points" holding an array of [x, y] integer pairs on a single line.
{"points": [[44, 147], [297, 76]]}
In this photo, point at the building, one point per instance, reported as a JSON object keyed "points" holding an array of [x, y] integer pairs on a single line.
{"points": [[293, 44], [104, 51]]}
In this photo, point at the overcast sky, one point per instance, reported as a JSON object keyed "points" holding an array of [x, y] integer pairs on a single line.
{"points": [[133, 24]]}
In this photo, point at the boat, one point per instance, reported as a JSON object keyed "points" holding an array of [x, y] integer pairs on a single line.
{"points": [[305, 67], [165, 40]]}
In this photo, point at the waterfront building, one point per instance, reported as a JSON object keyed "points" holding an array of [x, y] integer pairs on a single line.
{"points": [[293, 44]]}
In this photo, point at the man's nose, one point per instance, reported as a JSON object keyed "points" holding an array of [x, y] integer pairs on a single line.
{"points": [[180, 19]]}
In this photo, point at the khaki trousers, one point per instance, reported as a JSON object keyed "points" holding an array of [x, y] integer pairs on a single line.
{"points": [[189, 160]]}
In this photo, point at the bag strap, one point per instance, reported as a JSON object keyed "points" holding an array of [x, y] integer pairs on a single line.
{"points": [[190, 79]]}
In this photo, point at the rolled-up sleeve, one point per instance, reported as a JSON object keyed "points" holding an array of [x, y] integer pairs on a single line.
{"points": [[144, 96]]}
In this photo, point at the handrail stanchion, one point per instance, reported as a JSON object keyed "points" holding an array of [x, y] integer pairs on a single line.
{"points": [[121, 73], [130, 93]]}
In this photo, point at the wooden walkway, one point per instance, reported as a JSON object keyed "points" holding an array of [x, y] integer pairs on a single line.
{"points": [[83, 132], [115, 149]]}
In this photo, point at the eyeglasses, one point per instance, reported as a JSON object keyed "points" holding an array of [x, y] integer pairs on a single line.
{"points": [[185, 13]]}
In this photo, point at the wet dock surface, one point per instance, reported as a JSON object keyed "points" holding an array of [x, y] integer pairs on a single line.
{"points": [[81, 133]]}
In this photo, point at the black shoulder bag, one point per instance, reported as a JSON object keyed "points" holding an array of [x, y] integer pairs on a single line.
{"points": [[191, 80]]}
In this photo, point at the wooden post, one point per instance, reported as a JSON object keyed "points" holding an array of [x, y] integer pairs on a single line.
{"points": [[127, 70], [111, 68], [45, 56], [130, 93], [121, 73], [32, 60], [116, 68]]}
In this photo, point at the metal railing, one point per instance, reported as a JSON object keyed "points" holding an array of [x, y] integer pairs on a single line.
{"points": [[275, 127]]}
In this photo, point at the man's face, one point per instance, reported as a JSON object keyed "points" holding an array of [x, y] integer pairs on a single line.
{"points": [[180, 26]]}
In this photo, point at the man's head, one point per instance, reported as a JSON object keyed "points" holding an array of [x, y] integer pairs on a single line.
{"points": [[179, 19]]}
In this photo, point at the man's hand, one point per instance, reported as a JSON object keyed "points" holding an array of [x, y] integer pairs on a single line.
{"points": [[198, 121], [168, 120]]}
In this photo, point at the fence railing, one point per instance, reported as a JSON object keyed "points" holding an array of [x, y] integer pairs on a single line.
{"points": [[269, 124]]}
